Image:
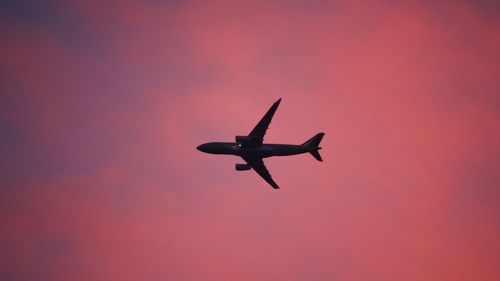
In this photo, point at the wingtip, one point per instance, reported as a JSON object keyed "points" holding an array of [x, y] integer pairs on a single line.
{"points": [[278, 101]]}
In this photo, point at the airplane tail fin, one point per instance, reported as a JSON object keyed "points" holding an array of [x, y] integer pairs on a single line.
{"points": [[313, 145]]}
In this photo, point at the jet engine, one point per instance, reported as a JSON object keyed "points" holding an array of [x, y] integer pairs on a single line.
{"points": [[242, 167], [243, 139]]}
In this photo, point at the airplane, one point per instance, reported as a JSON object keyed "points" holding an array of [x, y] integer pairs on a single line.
{"points": [[252, 149]]}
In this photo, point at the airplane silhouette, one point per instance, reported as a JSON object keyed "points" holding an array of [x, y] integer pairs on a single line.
{"points": [[252, 149]]}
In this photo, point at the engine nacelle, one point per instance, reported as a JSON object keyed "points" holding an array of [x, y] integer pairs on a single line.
{"points": [[243, 139], [242, 167]]}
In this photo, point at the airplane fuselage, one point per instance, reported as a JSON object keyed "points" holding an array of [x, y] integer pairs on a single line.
{"points": [[263, 151]]}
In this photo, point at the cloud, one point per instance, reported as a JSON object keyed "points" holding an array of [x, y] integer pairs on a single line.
{"points": [[104, 104]]}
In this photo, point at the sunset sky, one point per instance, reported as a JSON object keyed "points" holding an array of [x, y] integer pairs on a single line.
{"points": [[102, 105]]}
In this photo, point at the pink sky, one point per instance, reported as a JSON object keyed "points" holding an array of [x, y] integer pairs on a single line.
{"points": [[103, 104]]}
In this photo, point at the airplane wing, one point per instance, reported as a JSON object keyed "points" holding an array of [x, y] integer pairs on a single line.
{"points": [[259, 131], [258, 165]]}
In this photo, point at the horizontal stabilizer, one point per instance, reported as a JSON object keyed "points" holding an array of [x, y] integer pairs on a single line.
{"points": [[313, 145], [315, 154]]}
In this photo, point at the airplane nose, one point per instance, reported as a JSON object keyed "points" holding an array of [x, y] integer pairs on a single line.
{"points": [[206, 147]]}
